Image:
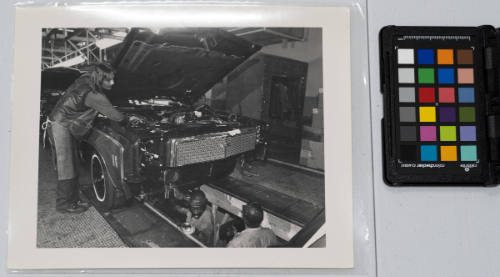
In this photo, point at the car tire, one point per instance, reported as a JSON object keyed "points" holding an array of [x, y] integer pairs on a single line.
{"points": [[104, 195]]}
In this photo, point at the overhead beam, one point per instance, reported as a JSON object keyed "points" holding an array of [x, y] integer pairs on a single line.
{"points": [[55, 50], [251, 32], [79, 38], [274, 32], [76, 33]]}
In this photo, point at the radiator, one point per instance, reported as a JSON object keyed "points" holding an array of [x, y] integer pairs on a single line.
{"points": [[212, 147]]}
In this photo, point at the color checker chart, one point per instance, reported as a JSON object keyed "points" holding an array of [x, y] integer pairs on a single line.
{"points": [[441, 91], [437, 104]]}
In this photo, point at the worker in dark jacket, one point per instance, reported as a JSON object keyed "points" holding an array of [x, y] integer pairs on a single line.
{"points": [[254, 234], [228, 230], [70, 120]]}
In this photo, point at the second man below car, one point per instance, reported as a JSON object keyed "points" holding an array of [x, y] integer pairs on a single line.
{"points": [[254, 234], [228, 230]]}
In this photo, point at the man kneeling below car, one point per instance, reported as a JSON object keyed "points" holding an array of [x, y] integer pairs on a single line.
{"points": [[254, 234], [199, 215]]}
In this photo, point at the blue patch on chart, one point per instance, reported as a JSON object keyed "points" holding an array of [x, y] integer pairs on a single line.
{"points": [[428, 153], [466, 95], [446, 76], [425, 56]]}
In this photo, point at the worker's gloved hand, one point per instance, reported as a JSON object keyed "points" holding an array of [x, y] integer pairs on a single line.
{"points": [[135, 120], [121, 128]]}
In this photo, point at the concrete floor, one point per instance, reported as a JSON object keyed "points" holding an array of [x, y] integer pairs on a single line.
{"points": [[91, 230]]}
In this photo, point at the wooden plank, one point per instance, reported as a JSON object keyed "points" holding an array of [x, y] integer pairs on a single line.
{"points": [[286, 215], [281, 227], [273, 201]]}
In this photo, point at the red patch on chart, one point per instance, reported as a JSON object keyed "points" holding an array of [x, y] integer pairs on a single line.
{"points": [[426, 95]]}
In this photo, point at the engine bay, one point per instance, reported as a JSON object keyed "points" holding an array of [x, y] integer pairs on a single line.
{"points": [[161, 116]]}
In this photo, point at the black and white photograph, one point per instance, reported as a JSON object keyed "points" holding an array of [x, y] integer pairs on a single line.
{"points": [[188, 137], [181, 137]]}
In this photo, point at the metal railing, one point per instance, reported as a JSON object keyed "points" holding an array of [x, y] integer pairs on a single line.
{"points": [[89, 52]]}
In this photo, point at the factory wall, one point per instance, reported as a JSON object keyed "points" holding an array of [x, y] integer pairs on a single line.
{"points": [[309, 51]]}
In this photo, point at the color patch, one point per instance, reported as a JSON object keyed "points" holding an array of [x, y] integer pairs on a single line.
{"points": [[447, 133], [448, 153], [405, 56], [468, 153], [427, 114], [407, 114], [408, 152], [467, 133], [465, 75], [428, 153], [426, 95], [407, 95], [406, 75], [426, 75], [464, 56], [466, 95], [427, 133], [445, 56], [408, 133], [467, 114], [425, 56], [445, 76], [446, 95], [447, 114]]}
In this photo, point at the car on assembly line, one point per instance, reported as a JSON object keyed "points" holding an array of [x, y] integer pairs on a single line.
{"points": [[176, 141], [159, 78]]}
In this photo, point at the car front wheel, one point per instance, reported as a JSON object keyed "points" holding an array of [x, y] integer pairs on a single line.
{"points": [[103, 192]]}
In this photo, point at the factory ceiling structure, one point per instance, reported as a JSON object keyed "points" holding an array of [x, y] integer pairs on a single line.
{"points": [[76, 47], [70, 47]]}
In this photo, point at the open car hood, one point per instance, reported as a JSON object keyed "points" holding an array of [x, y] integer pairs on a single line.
{"points": [[180, 63]]}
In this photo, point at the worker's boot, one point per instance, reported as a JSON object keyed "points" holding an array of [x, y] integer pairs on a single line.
{"points": [[83, 203], [82, 200], [67, 197], [72, 209]]}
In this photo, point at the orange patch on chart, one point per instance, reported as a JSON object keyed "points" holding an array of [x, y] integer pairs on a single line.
{"points": [[445, 56], [448, 153]]}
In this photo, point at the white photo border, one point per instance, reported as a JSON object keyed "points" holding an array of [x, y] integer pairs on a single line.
{"points": [[335, 23]]}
